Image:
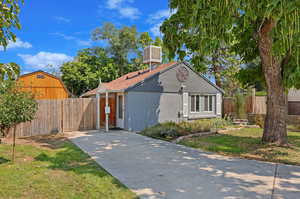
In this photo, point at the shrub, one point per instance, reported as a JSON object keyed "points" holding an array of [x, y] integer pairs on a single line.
{"points": [[172, 130], [197, 125], [260, 120], [239, 101], [221, 123], [166, 131]]}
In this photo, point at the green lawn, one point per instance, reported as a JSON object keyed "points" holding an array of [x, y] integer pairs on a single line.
{"points": [[247, 143], [55, 168]]}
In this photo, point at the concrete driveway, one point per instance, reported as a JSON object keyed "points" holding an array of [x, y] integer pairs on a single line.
{"points": [[158, 169]]}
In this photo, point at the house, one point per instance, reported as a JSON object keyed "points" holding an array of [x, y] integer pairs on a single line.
{"points": [[44, 85], [165, 92]]}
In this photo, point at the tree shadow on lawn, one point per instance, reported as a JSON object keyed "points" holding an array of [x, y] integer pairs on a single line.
{"points": [[246, 147], [69, 158], [3, 160]]}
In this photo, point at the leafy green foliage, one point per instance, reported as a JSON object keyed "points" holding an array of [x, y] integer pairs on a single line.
{"points": [[165, 131], [126, 46], [252, 76], [9, 11], [121, 42], [145, 40], [9, 71], [15, 106], [85, 72]]}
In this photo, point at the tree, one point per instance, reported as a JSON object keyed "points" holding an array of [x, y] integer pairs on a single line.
{"points": [[84, 73], [267, 29], [9, 19], [9, 71], [15, 107], [145, 40], [251, 75], [121, 43], [165, 53], [223, 65]]}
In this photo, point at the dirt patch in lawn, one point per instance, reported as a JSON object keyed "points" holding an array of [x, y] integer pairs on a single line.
{"points": [[54, 141]]}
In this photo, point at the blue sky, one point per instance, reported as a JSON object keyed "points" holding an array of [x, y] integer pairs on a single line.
{"points": [[54, 30]]}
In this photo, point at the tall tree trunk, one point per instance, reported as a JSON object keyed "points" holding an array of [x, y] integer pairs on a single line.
{"points": [[275, 121], [216, 69]]}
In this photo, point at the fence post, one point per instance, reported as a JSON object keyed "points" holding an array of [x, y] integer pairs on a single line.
{"points": [[253, 100], [62, 116]]}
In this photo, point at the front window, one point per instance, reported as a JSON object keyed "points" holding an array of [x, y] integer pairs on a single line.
{"points": [[202, 103], [208, 103]]}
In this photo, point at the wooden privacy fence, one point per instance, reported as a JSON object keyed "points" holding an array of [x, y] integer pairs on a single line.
{"points": [[256, 105], [64, 115]]}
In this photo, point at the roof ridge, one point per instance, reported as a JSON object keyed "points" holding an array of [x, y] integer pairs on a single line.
{"points": [[131, 79]]}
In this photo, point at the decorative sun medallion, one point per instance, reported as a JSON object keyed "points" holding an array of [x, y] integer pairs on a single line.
{"points": [[182, 74]]}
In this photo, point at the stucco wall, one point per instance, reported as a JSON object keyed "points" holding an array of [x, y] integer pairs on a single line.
{"points": [[144, 109]]}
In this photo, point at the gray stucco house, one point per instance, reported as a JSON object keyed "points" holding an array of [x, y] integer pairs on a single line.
{"points": [[166, 92]]}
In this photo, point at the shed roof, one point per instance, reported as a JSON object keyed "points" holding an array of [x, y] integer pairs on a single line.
{"points": [[50, 75]]}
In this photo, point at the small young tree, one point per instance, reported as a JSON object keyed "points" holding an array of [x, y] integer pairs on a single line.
{"points": [[15, 107]]}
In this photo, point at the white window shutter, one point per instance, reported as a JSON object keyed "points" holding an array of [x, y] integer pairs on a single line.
{"points": [[219, 104], [185, 108]]}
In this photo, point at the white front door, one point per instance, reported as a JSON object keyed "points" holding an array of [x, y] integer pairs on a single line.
{"points": [[120, 110]]}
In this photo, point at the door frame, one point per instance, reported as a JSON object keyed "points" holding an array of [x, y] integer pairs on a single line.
{"points": [[120, 121]]}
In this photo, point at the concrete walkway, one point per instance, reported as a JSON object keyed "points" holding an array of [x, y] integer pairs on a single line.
{"points": [[158, 169]]}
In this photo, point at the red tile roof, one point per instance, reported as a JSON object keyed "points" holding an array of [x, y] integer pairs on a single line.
{"points": [[129, 79]]}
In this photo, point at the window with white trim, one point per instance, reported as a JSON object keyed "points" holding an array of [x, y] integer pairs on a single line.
{"points": [[201, 103], [208, 103]]}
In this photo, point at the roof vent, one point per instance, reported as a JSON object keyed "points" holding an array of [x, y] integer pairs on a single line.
{"points": [[152, 55]]}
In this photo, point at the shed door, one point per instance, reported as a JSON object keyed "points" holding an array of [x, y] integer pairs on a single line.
{"points": [[112, 115]]}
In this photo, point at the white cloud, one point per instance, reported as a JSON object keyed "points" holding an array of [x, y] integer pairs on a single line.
{"points": [[113, 4], [62, 19], [159, 15], [123, 8], [17, 44], [44, 59], [155, 30], [129, 12], [64, 36], [84, 42], [157, 18], [79, 42]]}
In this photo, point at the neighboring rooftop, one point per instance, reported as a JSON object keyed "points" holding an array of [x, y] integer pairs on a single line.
{"points": [[129, 79]]}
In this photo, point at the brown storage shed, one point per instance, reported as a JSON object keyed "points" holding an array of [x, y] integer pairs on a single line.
{"points": [[44, 85]]}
